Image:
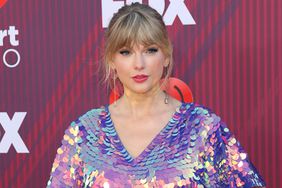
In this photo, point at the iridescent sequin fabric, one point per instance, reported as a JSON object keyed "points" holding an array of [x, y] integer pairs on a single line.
{"points": [[195, 149]]}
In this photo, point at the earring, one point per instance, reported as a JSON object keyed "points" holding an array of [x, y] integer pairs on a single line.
{"points": [[166, 98], [166, 95]]}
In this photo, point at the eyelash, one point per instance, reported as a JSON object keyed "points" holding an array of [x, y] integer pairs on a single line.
{"points": [[152, 50], [149, 50], [124, 51]]}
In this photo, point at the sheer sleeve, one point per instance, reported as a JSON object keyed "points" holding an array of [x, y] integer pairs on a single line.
{"points": [[66, 166], [226, 164]]}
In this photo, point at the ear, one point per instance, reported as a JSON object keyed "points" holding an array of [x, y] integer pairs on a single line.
{"points": [[166, 62]]}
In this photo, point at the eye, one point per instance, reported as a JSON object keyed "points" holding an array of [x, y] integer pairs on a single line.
{"points": [[152, 50], [124, 52]]}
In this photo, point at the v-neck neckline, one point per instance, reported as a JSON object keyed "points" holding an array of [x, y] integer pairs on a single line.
{"points": [[127, 156]]}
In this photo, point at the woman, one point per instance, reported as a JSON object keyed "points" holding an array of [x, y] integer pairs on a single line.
{"points": [[147, 138]]}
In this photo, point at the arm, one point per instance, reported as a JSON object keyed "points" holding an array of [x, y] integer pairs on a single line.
{"points": [[226, 161], [65, 169]]}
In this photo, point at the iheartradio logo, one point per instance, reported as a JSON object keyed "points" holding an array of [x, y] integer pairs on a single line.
{"points": [[175, 88], [2, 3]]}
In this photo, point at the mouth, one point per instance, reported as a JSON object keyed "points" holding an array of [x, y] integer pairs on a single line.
{"points": [[140, 78]]}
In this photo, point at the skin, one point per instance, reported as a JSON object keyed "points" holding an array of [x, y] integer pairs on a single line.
{"points": [[140, 114]]}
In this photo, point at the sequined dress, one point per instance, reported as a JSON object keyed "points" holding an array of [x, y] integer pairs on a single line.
{"points": [[195, 149]]}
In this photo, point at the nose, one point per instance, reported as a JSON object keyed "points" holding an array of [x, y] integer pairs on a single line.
{"points": [[139, 61]]}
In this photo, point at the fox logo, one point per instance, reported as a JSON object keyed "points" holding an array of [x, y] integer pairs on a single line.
{"points": [[176, 8]]}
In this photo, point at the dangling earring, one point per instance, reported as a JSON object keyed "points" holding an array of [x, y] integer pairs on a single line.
{"points": [[166, 98]]}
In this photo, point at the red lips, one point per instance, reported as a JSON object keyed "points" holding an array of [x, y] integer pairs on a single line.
{"points": [[140, 78]]}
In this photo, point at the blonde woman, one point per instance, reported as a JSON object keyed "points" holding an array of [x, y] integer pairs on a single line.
{"points": [[147, 138]]}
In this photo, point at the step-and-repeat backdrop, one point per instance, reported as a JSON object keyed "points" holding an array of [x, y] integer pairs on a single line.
{"points": [[227, 51]]}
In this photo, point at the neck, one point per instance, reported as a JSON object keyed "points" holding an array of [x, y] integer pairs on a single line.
{"points": [[141, 104]]}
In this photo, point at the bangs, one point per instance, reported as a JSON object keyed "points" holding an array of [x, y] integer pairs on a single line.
{"points": [[135, 29], [134, 25]]}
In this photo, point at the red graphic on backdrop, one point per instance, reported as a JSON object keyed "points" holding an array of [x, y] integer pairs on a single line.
{"points": [[175, 88], [2, 3]]}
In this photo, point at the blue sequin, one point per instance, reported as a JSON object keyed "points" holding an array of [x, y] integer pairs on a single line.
{"points": [[195, 149]]}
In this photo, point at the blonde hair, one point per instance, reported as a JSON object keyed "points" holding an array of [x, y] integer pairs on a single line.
{"points": [[135, 24]]}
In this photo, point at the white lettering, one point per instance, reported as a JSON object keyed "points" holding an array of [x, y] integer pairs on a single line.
{"points": [[109, 7], [11, 136], [9, 64], [175, 8], [3, 34], [158, 5], [178, 8], [12, 33]]}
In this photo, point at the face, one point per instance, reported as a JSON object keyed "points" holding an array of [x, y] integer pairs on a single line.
{"points": [[140, 68]]}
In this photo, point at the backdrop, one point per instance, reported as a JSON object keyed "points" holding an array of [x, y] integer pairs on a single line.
{"points": [[228, 52]]}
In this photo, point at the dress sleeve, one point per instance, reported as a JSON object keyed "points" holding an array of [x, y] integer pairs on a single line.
{"points": [[65, 169], [226, 164]]}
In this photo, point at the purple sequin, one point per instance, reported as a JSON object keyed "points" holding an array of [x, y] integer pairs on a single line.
{"points": [[194, 149]]}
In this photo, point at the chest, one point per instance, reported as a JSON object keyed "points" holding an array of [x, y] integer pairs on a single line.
{"points": [[136, 135], [163, 160]]}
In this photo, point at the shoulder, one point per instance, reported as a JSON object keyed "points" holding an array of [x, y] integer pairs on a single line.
{"points": [[90, 116], [87, 121], [198, 112], [202, 118]]}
